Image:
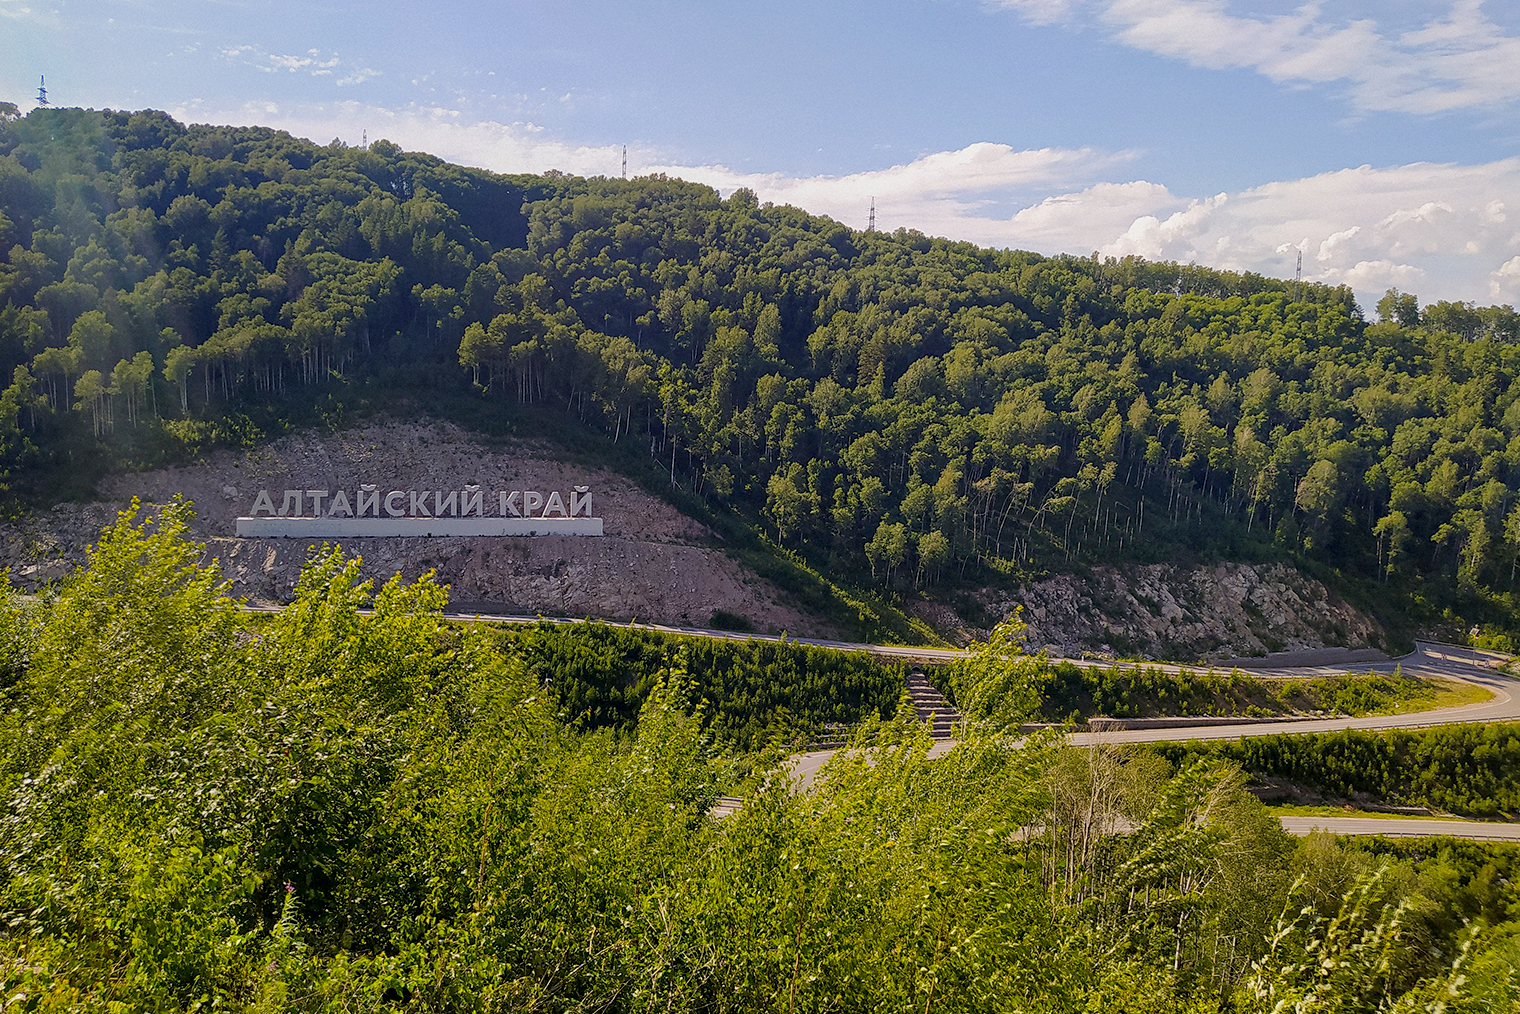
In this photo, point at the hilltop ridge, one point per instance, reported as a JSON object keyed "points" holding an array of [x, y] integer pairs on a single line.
{"points": [[921, 420]]}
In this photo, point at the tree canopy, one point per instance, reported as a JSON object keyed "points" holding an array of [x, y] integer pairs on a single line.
{"points": [[353, 805], [909, 409]]}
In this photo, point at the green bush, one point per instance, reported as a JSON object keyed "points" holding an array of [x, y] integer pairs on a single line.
{"points": [[354, 805], [754, 689], [1469, 769]]}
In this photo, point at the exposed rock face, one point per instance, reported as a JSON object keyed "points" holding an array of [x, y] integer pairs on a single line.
{"points": [[1175, 612], [653, 563]]}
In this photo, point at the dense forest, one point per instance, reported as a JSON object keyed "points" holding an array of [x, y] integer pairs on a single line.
{"points": [[752, 691], [1069, 692], [1466, 769], [906, 410], [353, 805]]}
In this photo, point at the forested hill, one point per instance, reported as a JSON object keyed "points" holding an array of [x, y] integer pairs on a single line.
{"points": [[907, 410]]}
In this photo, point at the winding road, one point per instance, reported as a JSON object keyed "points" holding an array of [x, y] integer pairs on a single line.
{"points": [[1429, 659], [1403, 827]]}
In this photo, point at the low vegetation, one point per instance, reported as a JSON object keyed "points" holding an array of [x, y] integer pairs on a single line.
{"points": [[1471, 769], [1069, 692], [753, 691], [336, 810]]}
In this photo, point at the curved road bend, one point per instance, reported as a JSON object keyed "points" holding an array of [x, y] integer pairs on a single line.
{"points": [[1402, 827], [1428, 659]]}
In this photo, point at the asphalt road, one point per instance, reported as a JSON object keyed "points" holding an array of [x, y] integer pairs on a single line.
{"points": [[1397, 827], [1427, 660], [905, 652]]}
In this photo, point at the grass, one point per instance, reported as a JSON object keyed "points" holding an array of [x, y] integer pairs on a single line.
{"points": [[1075, 691], [1446, 694], [1325, 810], [1407, 696]]}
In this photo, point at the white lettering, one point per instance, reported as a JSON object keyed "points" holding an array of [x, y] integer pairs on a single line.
{"points": [[566, 511], [369, 501]]}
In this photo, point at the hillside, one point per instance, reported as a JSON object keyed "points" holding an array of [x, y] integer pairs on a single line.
{"points": [[653, 563], [931, 421], [353, 805]]}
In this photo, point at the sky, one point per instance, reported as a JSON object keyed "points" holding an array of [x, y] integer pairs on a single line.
{"points": [[1379, 139]]}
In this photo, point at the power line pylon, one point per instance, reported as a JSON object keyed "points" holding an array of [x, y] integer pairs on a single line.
{"points": [[871, 223], [42, 90], [625, 161]]}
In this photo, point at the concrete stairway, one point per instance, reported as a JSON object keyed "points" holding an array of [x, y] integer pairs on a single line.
{"points": [[929, 705], [932, 707]]}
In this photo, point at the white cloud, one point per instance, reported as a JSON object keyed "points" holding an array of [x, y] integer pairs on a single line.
{"points": [[1505, 283], [1442, 230], [941, 193], [1106, 209], [1460, 60], [1041, 12], [311, 62], [19, 10], [505, 147], [945, 193], [1441, 227]]}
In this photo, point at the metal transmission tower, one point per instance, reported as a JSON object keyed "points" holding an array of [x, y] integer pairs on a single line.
{"points": [[625, 161], [365, 142], [42, 90], [871, 223], [1298, 277]]}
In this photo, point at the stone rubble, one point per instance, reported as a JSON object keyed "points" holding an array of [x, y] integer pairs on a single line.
{"points": [[1172, 611], [653, 563]]}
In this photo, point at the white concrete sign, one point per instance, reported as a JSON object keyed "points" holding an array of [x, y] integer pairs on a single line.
{"points": [[404, 513]]}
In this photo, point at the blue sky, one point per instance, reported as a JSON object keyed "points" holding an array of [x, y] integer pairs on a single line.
{"points": [[1381, 139]]}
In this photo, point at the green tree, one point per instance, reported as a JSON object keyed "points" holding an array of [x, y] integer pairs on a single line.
{"points": [[90, 390], [788, 504], [178, 365], [91, 338], [933, 554], [887, 550]]}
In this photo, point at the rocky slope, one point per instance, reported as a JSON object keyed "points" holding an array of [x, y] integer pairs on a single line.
{"points": [[1179, 612], [653, 563]]}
